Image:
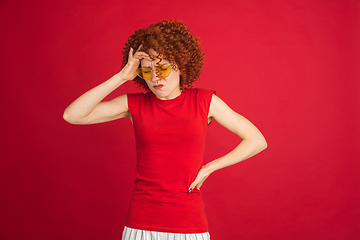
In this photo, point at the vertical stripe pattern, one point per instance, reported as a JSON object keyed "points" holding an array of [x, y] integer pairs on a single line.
{"points": [[136, 234]]}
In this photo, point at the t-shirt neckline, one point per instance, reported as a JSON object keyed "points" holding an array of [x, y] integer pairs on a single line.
{"points": [[165, 101]]}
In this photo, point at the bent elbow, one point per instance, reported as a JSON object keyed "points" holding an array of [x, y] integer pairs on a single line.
{"points": [[265, 145], [262, 144], [67, 117]]}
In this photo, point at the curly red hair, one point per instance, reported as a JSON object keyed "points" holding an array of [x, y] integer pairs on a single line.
{"points": [[172, 40]]}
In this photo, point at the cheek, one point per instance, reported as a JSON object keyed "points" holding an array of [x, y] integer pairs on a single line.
{"points": [[175, 81], [175, 77], [148, 83]]}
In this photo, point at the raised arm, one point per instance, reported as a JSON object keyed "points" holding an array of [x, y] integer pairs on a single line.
{"points": [[89, 108], [252, 142]]}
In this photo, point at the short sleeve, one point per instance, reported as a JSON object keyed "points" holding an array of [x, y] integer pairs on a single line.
{"points": [[134, 101], [204, 97]]}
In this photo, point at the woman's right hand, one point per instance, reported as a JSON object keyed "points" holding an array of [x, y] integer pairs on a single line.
{"points": [[128, 73]]}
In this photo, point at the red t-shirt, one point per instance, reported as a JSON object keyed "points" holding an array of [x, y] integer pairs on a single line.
{"points": [[170, 140]]}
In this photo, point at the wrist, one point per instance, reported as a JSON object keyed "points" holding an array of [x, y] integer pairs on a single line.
{"points": [[120, 79], [211, 166]]}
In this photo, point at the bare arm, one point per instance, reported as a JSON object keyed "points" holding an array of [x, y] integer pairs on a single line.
{"points": [[89, 108], [252, 142]]}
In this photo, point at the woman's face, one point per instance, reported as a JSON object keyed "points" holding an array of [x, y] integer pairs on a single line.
{"points": [[164, 88]]}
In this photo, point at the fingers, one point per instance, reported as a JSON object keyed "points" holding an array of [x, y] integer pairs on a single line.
{"points": [[192, 186], [142, 55], [129, 71], [138, 55], [131, 51], [202, 175], [139, 47], [196, 185]]}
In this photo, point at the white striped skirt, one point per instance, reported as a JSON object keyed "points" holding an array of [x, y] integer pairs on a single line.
{"points": [[136, 234]]}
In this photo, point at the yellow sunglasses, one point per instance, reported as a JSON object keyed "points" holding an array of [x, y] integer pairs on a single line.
{"points": [[146, 72]]}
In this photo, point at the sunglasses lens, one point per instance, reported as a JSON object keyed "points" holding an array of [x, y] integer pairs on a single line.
{"points": [[144, 73], [165, 71]]}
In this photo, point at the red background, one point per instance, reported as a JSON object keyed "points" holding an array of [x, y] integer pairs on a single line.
{"points": [[291, 67]]}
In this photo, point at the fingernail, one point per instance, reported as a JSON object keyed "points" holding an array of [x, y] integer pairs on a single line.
{"points": [[190, 190]]}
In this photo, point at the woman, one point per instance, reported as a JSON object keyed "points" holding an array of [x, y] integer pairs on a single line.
{"points": [[170, 123]]}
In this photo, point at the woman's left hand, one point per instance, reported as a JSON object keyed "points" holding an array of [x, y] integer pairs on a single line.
{"points": [[202, 175]]}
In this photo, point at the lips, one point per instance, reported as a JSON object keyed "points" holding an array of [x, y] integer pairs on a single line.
{"points": [[157, 87]]}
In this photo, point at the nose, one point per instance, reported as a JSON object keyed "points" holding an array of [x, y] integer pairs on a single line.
{"points": [[154, 76]]}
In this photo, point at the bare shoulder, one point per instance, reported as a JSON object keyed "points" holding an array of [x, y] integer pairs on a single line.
{"points": [[217, 106], [230, 119]]}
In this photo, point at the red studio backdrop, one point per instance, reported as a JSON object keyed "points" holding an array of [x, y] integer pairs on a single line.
{"points": [[291, 67]]}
